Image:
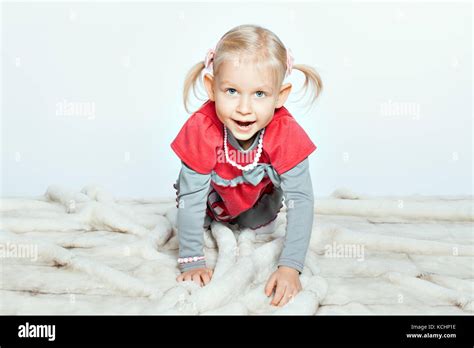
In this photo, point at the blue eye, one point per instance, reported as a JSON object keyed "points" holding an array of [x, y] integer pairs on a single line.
{"points": [[233, 91]]}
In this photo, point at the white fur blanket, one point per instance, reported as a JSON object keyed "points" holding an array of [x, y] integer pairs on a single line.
{"points": [[86, 252]]}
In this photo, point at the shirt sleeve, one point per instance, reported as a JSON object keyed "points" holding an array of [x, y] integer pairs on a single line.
{"points": [[288, 144], [193, 189], [299, 200], [196, 143]]}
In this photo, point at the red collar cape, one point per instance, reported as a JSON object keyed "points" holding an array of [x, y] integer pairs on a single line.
{"points": [[200, 141]]}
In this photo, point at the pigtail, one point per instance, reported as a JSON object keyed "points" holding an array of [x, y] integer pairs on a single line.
{"points": [[193, 75], [266, 46], [311, 77]]}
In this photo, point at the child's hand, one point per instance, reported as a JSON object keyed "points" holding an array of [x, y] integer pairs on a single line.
{"points": [[287, 282], [198, 275]]}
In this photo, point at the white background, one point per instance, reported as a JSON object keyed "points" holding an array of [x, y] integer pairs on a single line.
{"points": [[395, 117]]}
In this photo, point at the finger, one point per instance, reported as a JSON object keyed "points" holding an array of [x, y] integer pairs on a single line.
{"points": [[286, 297], [179, 278], [188, 276], [206, 278], [270, 285], [296, 292], [197, 278], [278, 294]]}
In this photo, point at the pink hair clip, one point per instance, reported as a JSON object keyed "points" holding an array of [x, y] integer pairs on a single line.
{"points": [[208, 60], [289, 61]]}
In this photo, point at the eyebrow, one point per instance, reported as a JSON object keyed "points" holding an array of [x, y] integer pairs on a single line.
{"points": [[257, 88]]}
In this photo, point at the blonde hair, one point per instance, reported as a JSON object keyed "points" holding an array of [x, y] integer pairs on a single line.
{"points": [[264, 47]]}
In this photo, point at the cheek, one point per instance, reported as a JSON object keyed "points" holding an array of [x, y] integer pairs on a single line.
{"points": [[224, 115], [225, 104], [223, 111], [264, 122], [265, 113], [222, 108]]}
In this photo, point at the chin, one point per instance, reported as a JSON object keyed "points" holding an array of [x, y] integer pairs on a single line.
{"points": [[243, 135]]}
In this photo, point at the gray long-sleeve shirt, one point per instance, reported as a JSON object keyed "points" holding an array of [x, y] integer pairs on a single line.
{"points": [[192, 203]]}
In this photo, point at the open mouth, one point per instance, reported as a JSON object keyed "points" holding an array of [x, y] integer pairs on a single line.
{"points": [[244, 125]]}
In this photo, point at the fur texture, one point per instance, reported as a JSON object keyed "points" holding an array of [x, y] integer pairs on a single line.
{"points": [[87, 252]]}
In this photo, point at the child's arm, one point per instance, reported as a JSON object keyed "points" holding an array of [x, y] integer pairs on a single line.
{"points": [[299, 199], [193, 189]]}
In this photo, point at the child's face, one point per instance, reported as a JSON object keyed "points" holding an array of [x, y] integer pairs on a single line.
{"points": [[244, 94]]}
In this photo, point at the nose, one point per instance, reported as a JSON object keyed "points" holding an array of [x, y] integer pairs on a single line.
{"points": [[244, 106]]}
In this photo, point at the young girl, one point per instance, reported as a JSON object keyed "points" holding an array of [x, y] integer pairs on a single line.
{"points": [[242, 152]]}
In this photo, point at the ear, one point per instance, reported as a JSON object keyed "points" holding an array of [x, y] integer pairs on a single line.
{"points": [[209, 84], [283, 95]]}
